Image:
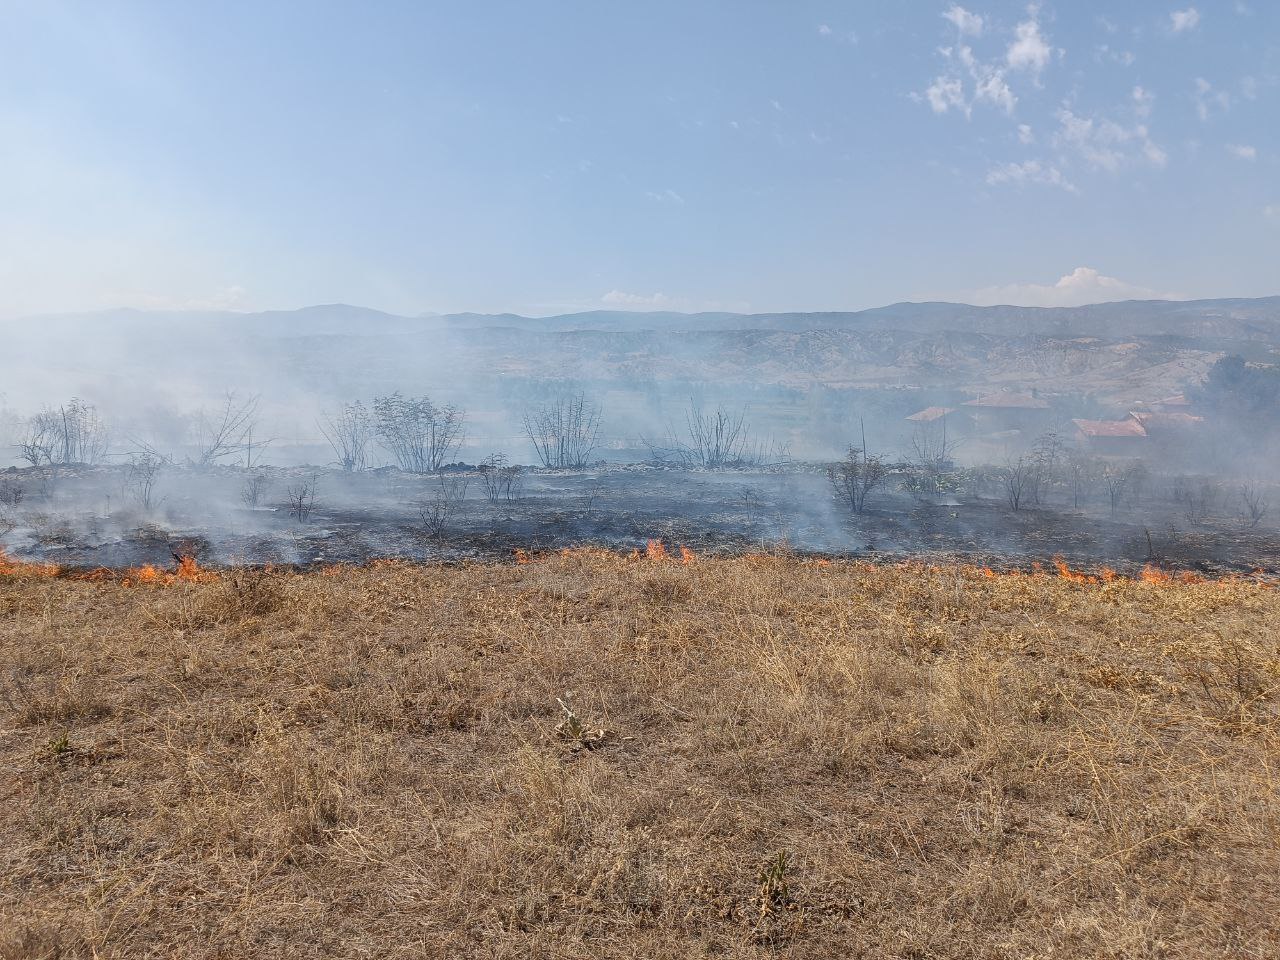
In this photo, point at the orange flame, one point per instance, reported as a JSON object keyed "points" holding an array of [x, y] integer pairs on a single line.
{"points": [[1072, 576], [1151, 574], [687, 556], [19, 568], [655, 550], [522, 556]]}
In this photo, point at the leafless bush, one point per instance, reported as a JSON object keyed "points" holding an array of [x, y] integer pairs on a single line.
{"points": [[1016, 479], [438, 510], [1115, 480], [499, 479], [714, 441], [73, 433], [141, 477], [1044, 460], [856, 477], [564, 432], [932, 446], [302, 498], [1253, 497], [51, 529], [1196, 497], [1079, 473], [12, 493], [254, 489], [349, 432], [419, 435], [227, 431]]}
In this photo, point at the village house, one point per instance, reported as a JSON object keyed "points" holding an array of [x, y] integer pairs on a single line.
{"points": [[1114, 438], [1006, 410]]}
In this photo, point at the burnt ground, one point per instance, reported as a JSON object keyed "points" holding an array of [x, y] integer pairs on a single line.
{"points": [[90, 517]]}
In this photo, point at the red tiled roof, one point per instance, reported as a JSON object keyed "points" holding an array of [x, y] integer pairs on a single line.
{"points": [[1021, 401], [1110, 428], [1148, 419], [931, 413]]}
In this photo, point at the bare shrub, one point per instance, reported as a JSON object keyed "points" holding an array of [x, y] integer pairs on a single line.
{"points": [[72, 433], [1255, 503], [419, 435], [1115, 480], [564, 432], [227, 431], [499, 479], [141, 477], [12, 493], [714, 441], [1017, 478], [301, 497], [1196, 497], [254, 489], [856, 477], [932, 446], [349, 433], [437, 511], [1080, 473]]}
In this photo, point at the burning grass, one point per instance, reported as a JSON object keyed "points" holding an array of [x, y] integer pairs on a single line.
{"points": [[588, 754]]}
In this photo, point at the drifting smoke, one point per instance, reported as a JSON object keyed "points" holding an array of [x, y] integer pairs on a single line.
{"points": [[1114, 433]]}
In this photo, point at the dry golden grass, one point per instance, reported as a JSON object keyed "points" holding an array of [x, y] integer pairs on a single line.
{"points": [[765, 757]]}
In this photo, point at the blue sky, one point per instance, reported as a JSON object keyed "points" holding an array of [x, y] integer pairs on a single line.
{"points": [[551, 156]]}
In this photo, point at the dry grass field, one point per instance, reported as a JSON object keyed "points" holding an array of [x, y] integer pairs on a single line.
{"points": [[590, 755]]}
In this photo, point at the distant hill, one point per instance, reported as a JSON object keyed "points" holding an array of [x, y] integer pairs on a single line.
{"points": [[1115, 350], [1235, 319]]}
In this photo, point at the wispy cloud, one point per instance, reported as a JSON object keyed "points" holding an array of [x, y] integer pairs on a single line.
{"points": [[946, 93], [1208, 100], [665, 196], [1029, 50], [1180, 21], [1104, 144], [1242, 151], [969, 24], [1030, 171], [1081, 286], [652, 301]]}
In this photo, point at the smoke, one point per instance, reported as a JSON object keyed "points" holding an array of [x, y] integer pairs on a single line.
{"points": [[803, 387]]}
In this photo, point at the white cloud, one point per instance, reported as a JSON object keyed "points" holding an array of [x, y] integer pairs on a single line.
{"points": [[969, 24], [656, 301], [1029, 50], [824, 30], [622, 300], [1105, 144], [1025, 135], [1183, 20], [1142, 101], [989, 85], [1105, 52], [1242, 151], [1272, 210], [1031, 171], [1207, 99], [1083, 285], [945, 93], [664, 196], [993, 88]]}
